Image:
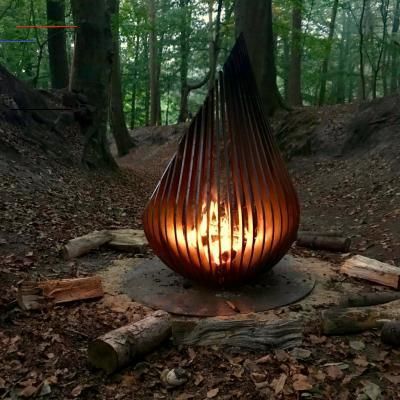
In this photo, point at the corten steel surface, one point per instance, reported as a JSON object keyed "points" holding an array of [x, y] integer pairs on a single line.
{"points": [[152, 283], [225, 208]]}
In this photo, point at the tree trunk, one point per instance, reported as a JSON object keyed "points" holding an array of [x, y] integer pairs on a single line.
{"points": [[56, 42], [384, 11], [117, 116], [343, 54], [214, 40], [134, 83], [328, 49], [395, 75], [254, 19], [295, 98], [286, 65], [361, 50], [153, 67], [92, 75]]}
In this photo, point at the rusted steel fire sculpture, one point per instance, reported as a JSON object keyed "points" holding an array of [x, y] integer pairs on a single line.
{"points": [[225, 209]]}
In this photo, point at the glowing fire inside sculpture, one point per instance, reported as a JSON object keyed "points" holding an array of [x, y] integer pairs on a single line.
{"points": [[218, 238], [225, 208]]}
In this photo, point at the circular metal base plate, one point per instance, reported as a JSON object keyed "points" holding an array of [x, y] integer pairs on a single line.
{"points": [[152, 283]]}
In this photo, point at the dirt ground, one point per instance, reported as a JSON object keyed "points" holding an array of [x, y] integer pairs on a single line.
{"points": [[347, 187]]}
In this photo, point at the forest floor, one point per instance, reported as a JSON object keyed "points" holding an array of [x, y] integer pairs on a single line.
{"points": [[346, 174]]}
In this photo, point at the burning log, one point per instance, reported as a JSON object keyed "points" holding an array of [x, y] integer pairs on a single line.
{"points": [[250, 334], [391, 333], [323, 242], [372, 270], [117, 348], [369, 299], [38, 295], [343, 321], [82, 245]]}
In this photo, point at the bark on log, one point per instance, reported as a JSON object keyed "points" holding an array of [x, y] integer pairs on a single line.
{"points": [[117, 348], [372, 270], [130, 240], [250, 334], [344, 321], [82, 245], [38, 295], [391, 333], [323, 242], [369, 299]]}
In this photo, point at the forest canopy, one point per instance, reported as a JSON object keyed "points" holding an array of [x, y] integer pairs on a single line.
{"points": [[326, 52]]}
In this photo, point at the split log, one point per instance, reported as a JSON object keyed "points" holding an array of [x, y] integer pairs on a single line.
{"points": [[117, 348], [250, 334], [369, 299], [130, 240], [372, 270], [323, 242], [391, 333], [344, 321], [38, 295], [82, 245]]}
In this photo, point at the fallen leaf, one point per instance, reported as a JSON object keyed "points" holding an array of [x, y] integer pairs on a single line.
{"points": [[361, 361], [357, 345], [372, 390], [280, 384], [334, 372], [301, 383], [264, 360], [212, 393], [395, 379], [185, 396], [28, 391], [256, 377], [198, 380], [76, 391]]}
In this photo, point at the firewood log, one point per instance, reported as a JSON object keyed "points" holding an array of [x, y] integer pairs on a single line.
{"points": [[38, 295], [372, 270], [117, 348], [323, 242], [82, 245], [343, 321], [391, 333], [129, 240], [369, 299], [250, 334]]}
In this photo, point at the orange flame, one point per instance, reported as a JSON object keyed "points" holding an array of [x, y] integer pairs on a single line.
{"points": [[216, 236]]}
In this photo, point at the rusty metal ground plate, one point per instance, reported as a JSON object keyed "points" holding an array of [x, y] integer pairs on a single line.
{"points": [[152, 283]]}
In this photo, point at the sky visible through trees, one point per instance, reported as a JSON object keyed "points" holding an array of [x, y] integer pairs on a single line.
{"points": [[344, 51]]}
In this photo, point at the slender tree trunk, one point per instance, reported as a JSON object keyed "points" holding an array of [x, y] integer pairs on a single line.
{"points": [[118, 123], [361, 50], [56, 42], [147, 84], [295, 97], [214, 40], [92, 64], [328, 49], [134, 83], [384, 10], [395, 74], [286, 65], [254, 19], [184, 42], [153, 67], [343, 55]]}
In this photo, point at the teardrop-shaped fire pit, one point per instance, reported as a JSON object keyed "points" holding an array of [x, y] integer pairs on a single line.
{"points": [[225, 209]]}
